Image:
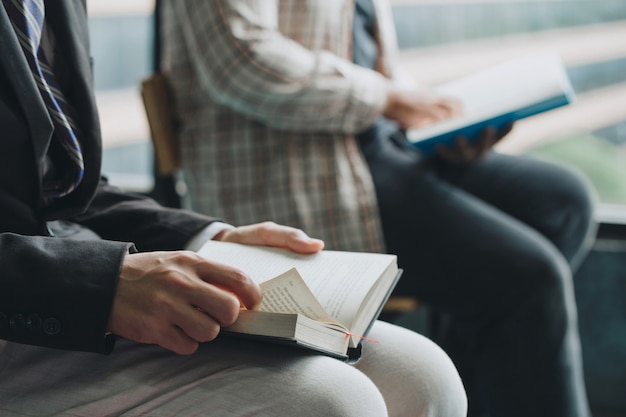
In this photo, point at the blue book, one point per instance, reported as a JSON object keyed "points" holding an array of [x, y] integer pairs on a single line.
{"points": [[496, 96]]}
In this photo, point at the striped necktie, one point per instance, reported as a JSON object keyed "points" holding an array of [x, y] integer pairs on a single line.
{"points": [[27, 17]]}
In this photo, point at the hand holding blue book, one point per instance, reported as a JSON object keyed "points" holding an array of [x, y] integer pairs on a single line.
{"points": [[497, 96]]}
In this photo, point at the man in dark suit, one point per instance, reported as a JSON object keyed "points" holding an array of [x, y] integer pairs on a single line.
{"points": [[59, 274], [83, 262]]}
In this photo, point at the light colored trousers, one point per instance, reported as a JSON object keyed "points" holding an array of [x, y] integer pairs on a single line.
{"points": [[404, 374]]}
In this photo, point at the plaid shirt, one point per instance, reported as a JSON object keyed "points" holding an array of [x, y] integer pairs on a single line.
{"points": [[268, 103]]}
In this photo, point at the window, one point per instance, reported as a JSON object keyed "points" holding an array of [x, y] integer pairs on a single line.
{"points": [[121, 44], [442, 39]]}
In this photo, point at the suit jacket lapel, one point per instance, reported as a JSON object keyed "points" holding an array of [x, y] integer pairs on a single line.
{"points": [[69, 23], [33, 108]]}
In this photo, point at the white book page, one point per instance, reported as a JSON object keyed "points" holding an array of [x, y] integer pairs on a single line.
{"points": [[508, 86], [499, 90], [339, 280], [288, 293]]}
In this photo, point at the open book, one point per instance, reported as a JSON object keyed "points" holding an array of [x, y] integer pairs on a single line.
{"points": [[496, 96], [326, 301]]}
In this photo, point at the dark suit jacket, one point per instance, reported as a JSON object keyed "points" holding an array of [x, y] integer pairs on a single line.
{"points": [[58, 292]]}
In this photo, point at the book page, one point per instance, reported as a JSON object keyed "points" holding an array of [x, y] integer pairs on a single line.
{"points": [[339, 280], [508, 86], [288, 293], [519, 88]]}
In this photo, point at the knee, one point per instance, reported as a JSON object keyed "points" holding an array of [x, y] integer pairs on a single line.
{"points": [[415, 376], [331, 388], [545, 289], [578, 193], [575, 200], [443, 392]]}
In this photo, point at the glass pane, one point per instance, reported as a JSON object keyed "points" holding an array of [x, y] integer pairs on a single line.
{"points": [[121, 45], [440, 40]]}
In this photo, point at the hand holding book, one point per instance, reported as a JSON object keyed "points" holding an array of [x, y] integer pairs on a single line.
{"points": [[325, 301], [415, 109], [496, 97], [464, 150]]}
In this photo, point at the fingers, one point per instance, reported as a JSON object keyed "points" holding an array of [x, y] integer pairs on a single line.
{"points": [[196, 324], [435, 110], [418, 109], [198, 300], [487, 138], [237, 289], [272, 234], [505, 130], [460, 152], [464, 151], [490, 136], [186, 340], [449, 106], [178, 341], [177, 299], [286, 237]]}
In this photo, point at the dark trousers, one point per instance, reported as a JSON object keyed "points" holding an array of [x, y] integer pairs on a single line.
{"points": [[491, 247]]}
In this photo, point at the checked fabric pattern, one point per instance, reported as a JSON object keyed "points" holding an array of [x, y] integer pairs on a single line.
{"points": [[27, 17]]}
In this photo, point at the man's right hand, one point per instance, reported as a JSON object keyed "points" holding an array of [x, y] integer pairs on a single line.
{"points": [[178, 299]]}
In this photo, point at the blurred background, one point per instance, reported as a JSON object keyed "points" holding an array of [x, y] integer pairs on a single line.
{"points": [[439, 40]]}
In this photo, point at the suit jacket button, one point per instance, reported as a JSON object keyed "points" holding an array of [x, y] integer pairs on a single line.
{"points": [[51, 326], [4, 321], [33, 322], [17, 322]]}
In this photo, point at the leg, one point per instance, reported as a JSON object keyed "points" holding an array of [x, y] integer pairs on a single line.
{"points": [[414, 375], [557, 203], [226, 378], [505, 287], [229, 377], [553, 200]]}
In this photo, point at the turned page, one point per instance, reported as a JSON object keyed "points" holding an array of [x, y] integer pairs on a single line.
{"points": [[288, 293], [339, 280]]}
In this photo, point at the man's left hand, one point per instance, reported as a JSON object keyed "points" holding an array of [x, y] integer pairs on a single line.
{"points": [[272, 234]]}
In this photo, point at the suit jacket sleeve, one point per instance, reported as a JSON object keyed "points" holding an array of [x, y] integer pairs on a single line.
{"points": [[58, 292], [117, 215]]}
